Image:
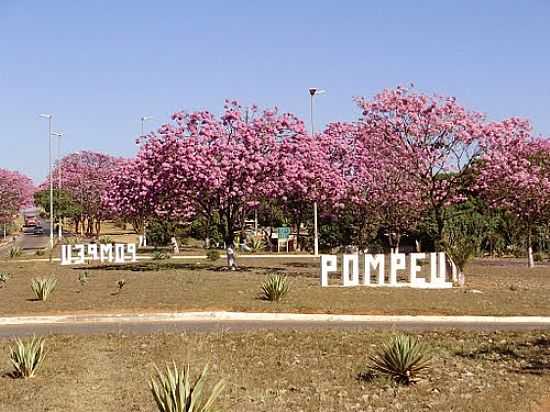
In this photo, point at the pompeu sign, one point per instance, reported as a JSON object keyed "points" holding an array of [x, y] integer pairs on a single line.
{"points": [[79, 254], [374, 273]]}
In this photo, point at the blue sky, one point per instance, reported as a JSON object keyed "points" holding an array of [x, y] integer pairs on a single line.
{"points": [[99, 66]]}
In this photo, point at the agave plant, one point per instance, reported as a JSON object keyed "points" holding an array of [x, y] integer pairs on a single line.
{"points": [[275, 287], [27, 356], [43, 287], [258, 245], [4, 277], [174, 392], [15, 251], [404, 359]]}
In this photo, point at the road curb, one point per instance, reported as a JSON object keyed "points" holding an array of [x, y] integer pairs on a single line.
{"points": [[270, 317]]}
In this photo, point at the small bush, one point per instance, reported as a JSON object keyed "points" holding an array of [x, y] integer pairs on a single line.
{"points": [[160, 255], [40, 252], [403, 359], [174, 392], [212, 255], [83, 278], [43, 287], [538, 257], [275, 287], [4, 277], [27, 356], [15, 252], [258, 245], [105, 240], [120, 284]]}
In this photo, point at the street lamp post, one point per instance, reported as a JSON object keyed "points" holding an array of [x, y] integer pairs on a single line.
{"points": [[313, 91], [143, 120], [59, 171], [49, 117]]}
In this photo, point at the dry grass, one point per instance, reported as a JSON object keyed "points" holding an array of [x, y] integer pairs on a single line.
{"points": [[508, 288], [286, 371]]}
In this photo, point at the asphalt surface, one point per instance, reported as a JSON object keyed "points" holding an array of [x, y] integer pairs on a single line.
{"points": [[28, 241], [143, 328]]}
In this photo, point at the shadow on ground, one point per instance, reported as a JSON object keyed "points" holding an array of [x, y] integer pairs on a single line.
{"points": [[531, 357]]}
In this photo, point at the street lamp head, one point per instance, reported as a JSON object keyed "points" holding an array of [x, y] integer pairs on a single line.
{"points": [[313, 91], [145, 118], [58, 134], [46, 116]]}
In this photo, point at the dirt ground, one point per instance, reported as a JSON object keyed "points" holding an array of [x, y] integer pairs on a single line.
{"points": [[494, 287], [286, 371]]}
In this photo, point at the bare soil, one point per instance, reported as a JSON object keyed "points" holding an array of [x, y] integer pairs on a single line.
{"points": [[494, 287]]}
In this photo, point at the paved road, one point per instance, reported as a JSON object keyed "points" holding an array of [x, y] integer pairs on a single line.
{"points": [[28, 241], [141, 328]]}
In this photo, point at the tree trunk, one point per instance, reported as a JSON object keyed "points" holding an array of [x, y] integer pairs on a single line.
{"points": [[531, 260], [461, 278], [207, 238], [298, 223]]}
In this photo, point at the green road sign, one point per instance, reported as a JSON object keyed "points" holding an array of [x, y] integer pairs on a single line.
{"points": [[283, 232]]}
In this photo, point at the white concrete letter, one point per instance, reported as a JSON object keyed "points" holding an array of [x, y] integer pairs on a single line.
{"points": [[328, 264], [131, 248], [397, 262], [373, 262], [414, 269], [352, 280], [106, 251]]}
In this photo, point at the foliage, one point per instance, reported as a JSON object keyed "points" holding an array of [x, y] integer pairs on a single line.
{"points": [[15, 252], [160, 255], [212, 255], [43, 287], [15, 192], [173, 391], [27, 356], [4, 277], [63, 203], [105, 240], [403, 359], [160, 232], [40, 252], [258, 245], [120, 284], [83, 278], [275, 287]]}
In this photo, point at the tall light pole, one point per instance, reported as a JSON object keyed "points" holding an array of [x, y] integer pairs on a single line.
{"points": [[313, 91], [49, 117], [59, 169], [143, 120]]}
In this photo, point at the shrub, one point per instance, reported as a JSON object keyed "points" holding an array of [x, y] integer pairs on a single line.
{"points": [[105, 240], [40, 252], [403, 359], [160, 255], [212, 255], [4, 277], [121, 283], [173, 391], [83, 277], [538, 257], [15, 252], [275, 287], [258, 245], [43, 287], [27, 356]]}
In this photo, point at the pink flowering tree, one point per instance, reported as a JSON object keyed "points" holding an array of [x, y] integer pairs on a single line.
{"points": [[434, 138], [85, 176], [514, 175], [225, 165], [313, 169], [15, 193]]}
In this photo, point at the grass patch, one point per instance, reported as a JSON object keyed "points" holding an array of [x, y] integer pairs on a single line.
{"points": [[283, 371], [507, 288]]}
